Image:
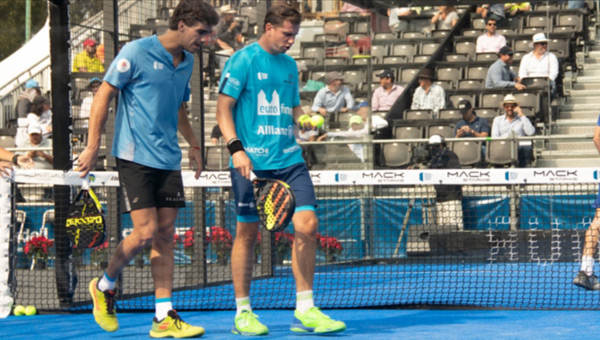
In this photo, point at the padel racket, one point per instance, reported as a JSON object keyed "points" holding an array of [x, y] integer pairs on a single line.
{"points": [[85, 223], [275, 202]]}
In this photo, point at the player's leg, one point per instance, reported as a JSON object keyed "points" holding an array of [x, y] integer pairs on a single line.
{"points": [[586, 278], [242, 257], [307, 317]]}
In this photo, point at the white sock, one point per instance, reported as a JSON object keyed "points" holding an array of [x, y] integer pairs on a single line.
{"points": [[163, 306], [304, 301], [106, 283], [242, 304], [587, 264]]}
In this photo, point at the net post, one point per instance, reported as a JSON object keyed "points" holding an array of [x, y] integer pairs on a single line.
{"points": [[7, 245]]}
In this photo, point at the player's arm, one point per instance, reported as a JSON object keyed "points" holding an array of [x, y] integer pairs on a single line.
{"points": [[98, 115], [240, 160], [597, 138], [185, 128]]}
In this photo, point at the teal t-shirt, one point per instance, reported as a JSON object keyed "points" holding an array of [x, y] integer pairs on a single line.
{"points": [[266, 89]]}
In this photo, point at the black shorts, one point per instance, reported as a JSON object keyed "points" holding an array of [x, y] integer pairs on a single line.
{"points": [[146, 187]]}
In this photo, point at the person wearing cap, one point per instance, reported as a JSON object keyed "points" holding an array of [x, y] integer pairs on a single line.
{"points": [[428, 96], [42, 159], [500, 75], [86, 103], [470, 125], [386, 94], [334, 97], [514, 121], [228, 31], [42, 115], [86, 60], [490, 41], [540, 62], [25, 99], [356, 130]]}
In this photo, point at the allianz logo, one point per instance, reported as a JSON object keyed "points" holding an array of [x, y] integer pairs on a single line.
{"points": [[271, 130], [272, 108]]}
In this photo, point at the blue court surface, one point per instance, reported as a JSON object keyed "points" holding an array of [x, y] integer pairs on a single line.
{"points": [[369, 324]]}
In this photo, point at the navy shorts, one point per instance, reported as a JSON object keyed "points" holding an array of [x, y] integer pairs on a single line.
{"points": [[146, 187], [296, 176]]}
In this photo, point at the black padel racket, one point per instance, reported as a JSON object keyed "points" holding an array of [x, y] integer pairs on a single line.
{"points": [[85, 224], [275, 202]]}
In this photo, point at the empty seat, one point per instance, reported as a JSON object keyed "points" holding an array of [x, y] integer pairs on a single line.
{"points": [[429, 48], [412, 115], [396, 154], [465, 47], [455, 98], [306, 61], [408, 132], [547, 7], [564, 29], [472, 32], [487, 112], [317, 53], [499, 152], [412, 35], [560, 47], [468, 152], [421, 59], [533, 30], [477, 72], [378, 52], [327, 37], [385, 35], [318, 76], [478, 23], [355, 36], [449, 73], [491, 99], [570, 19], [354, 78], [539, 21], [360, 61], [533, 82], [407, 74], [470, 84], [457, 58], [446, 84], [395, 59], [407, 50], [528, 99], [506, 31], [445, 130], [440, 33], [334, 61], [450, 114], [521, 45], [250, 12], [486, 57], [361, 27]]}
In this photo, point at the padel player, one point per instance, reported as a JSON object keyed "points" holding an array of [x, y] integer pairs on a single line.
{"points": [[152, 76], [258, 104]]}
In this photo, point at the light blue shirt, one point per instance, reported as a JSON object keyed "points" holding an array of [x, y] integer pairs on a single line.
{"points": [[333, 102], [265, 87], [152, 91], [500, 75], [501, 127]]}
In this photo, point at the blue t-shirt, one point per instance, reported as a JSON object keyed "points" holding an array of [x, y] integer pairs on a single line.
{"points": [[266, 89], [152, 91]]}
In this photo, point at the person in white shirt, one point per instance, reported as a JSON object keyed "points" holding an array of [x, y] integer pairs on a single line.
{"points": [[514, 121], [540, 62], [86, 103], [356, 131], [490, 42], [41, 159]]}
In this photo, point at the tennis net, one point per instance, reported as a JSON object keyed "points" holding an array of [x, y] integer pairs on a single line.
{"points": [[484, 238]]}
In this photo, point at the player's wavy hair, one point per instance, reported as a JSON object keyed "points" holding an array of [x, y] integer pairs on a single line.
{"points": [[281, 12], [192, 12]]}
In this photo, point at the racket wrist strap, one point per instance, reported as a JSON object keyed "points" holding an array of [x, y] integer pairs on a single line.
{"points": [[234, 145], [15, 160]]}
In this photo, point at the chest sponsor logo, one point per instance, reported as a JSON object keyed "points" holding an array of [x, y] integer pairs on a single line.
{"points": [[270, 130], [158, 66], [272, 108], [262, 76]]}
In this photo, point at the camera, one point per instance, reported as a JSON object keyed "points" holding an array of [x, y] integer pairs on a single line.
{"points": [[421, 156]]}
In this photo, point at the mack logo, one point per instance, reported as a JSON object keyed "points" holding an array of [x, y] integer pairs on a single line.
{"points": [[469, 174], [555, 173], [314, 175], [383, 175], [214, 176]]}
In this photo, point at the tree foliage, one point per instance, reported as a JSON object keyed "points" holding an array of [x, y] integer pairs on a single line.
{"points": [[12, 23]]}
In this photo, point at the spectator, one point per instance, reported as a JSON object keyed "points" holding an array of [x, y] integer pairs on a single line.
{"points": [[514, 8], [377, 122], [42, 115], [334, 97], [428, 95], [470, 125], [23, 107], [228, 31], [385, 96], [394, 23], [446, 18], [86, 103], [490, 42], [86, 60], [495, 11], [356, 131], [41, 159], [215, 135], [575, 4], [540, 62], [514, 121], [500, 74]]}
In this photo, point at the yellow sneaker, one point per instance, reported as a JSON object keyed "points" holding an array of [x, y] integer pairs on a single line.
{"points": [[173, 326], [104, 307]]}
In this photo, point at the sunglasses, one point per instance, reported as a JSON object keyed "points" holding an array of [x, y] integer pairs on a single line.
{"points": [[542, 43], [508, 106], [491, 24]]}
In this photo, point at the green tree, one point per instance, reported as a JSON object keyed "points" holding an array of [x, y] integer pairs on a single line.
{"points": [[12, 23]]}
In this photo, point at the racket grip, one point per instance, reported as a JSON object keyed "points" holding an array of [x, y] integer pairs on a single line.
{"points": [[85, 184]]}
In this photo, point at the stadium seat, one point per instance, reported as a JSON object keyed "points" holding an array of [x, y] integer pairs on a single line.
{"points": [[528, 99], [470, 84], [354, 78], [407, 132], [476, 72], [429, 48], [407, 74], [488, 113], [444, 130], [539, 21], [318, 76], [478, 23], [541, 82], [570, 19], [472, 32], [506, 31], [533, 30], [498, 152], [378, 52], [515, 22], [491, 99], [465, 47], [447, 84], [468, 152], [547, 7], [317, 53], [560, 47], [395, 59], [327, 37], [355, 36], [250, 12], [413, 115], [564, 29], [334, 61], [448, 73], [521, 45], [421, 59], [457, 58], [306, 61], [217, 159], [361, 27], [440, 33], [455, 98], [491, 57], [360, 61], [412, 35], [385, 35], [396, 154], [404, 49], [450, 114], [7, 142]]}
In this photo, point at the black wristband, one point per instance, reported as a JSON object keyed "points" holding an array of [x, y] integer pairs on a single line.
{"points": [[234, 145], [15, 160]]}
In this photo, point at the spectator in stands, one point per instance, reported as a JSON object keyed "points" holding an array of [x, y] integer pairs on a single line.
{"points": [[490, 42], [215, 135], [43, 115], [334, 97], [8, 159], [348, 7], [86, 103], [514, 121], [470, 125], [41, 159], [376, 121], [495, 11], [356, 130], [514, 8], [446, 18], [428, 95], [540, 62], [575, 4], [394, 22], [25, 100], [228, 31], [86, 60], [500, 75], [385, 96], [586, 278]]}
